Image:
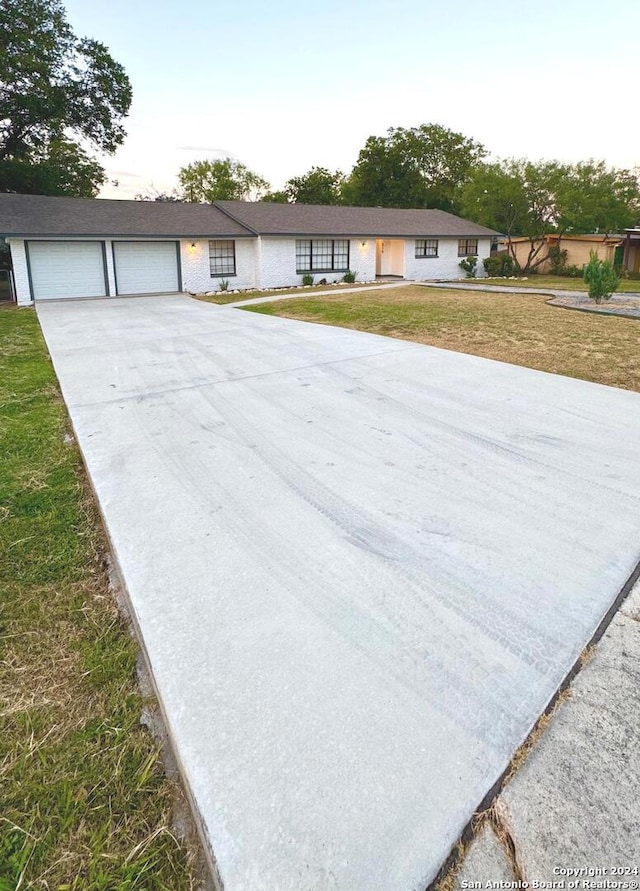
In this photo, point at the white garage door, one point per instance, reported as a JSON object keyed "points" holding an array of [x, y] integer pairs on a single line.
{"points": [[66, 269], [145, 267]]}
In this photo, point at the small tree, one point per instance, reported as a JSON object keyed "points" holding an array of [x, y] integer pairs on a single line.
{"points": [[601, 278]]}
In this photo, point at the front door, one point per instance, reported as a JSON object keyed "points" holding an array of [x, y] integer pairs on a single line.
{"points": [[390, 257]]}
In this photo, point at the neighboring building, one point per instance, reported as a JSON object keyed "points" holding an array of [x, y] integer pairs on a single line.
{"points": [[631, 250], [578, 248], [84, 247]]}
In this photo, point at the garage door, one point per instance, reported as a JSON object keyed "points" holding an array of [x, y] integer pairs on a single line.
{"points": [[66, 269], [145, 267]]}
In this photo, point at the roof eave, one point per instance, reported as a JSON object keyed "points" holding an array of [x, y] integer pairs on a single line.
{"points": [[390, 235], [128, 235]]}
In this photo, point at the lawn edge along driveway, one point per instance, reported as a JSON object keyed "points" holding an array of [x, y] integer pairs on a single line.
{"points": [[84, 799]]}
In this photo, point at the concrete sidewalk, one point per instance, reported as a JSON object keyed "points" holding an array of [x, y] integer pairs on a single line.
{"points": [[498, 289], [330, 292], [622, 303], [575, 802], [360, 566]]}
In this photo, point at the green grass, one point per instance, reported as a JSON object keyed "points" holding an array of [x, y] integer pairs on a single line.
{"points": [[517, 328], [222, 297], [84, 802], [558, 283]]}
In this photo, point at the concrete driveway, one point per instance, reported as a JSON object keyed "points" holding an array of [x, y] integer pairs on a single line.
{"points": [[361, 568]]}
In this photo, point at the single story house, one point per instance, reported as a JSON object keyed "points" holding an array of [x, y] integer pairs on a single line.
{"points": [[84, 247], [578, 248], [631, 250]]}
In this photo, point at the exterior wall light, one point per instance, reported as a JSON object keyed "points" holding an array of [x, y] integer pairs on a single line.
{"points": [[193, 245], [363, 244]]}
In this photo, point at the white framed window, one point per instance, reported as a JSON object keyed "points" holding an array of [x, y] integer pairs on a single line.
{"points": [[468, 247], [222, 258], [426, 247], [322, 254]]}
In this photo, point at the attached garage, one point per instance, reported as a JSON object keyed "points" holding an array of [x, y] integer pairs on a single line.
{"points": [[146, 267], [60, 269]]}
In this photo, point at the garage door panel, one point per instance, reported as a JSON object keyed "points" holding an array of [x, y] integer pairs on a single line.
{"points": [[61, 269], [146, 267]]}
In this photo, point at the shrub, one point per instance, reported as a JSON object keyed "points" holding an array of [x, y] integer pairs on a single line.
{"points": [[499, 265], [468, 265], [601, 278], [307, 279], [224, 284], [349, 277], [557, 260], [492, 266]]}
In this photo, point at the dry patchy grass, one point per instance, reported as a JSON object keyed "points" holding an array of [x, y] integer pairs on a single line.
{"points": [[517, 328], [84, 803]]}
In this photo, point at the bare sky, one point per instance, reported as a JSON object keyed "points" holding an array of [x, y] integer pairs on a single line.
{"points": [[283, 86]]}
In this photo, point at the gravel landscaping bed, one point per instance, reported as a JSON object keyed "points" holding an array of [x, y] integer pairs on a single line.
{"points": [[627, 305]]}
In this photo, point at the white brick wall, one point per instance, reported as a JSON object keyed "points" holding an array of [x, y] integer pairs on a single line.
{"points": [[196, 274], [270, 262], [20, 274], [362, 258], [446, 264], [279, 262]]}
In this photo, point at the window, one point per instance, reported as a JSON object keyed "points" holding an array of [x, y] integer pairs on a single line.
{"points": [[222, 257], [426, 247], [468, 247], [322, 255]]}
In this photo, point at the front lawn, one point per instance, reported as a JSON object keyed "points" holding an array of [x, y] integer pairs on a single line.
{"points": [[517, 328], [557, 283], [84, 802]]}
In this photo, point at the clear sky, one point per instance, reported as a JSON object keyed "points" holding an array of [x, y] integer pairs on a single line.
{"points": [[288, 84]]}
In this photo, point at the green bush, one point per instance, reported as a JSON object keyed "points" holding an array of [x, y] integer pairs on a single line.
{"points": [[557, 260], [601, 278], [307, 279], [349, 277], [224, 284], [499, 265], [469, 266]]}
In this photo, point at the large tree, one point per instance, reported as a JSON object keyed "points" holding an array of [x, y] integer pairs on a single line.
{"points": [[595, 198], [222, 180], [318, 186], [522, 198], [417, 167], [60, 95]]}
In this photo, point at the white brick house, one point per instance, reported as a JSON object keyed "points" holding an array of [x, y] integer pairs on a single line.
{"points": [[82, 247]]}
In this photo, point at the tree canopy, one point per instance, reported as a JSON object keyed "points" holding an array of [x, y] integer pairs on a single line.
{"points": [[278, 197], [318, 186], [221, 180], [417, 167], [530, 199], [59, 94]]}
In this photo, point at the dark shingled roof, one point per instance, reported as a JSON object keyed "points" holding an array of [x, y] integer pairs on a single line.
{"points": [[44, 216], [39, 215], [317, 219]]}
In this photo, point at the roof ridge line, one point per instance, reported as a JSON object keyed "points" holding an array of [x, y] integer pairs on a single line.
{"points": [[236, 219]]}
